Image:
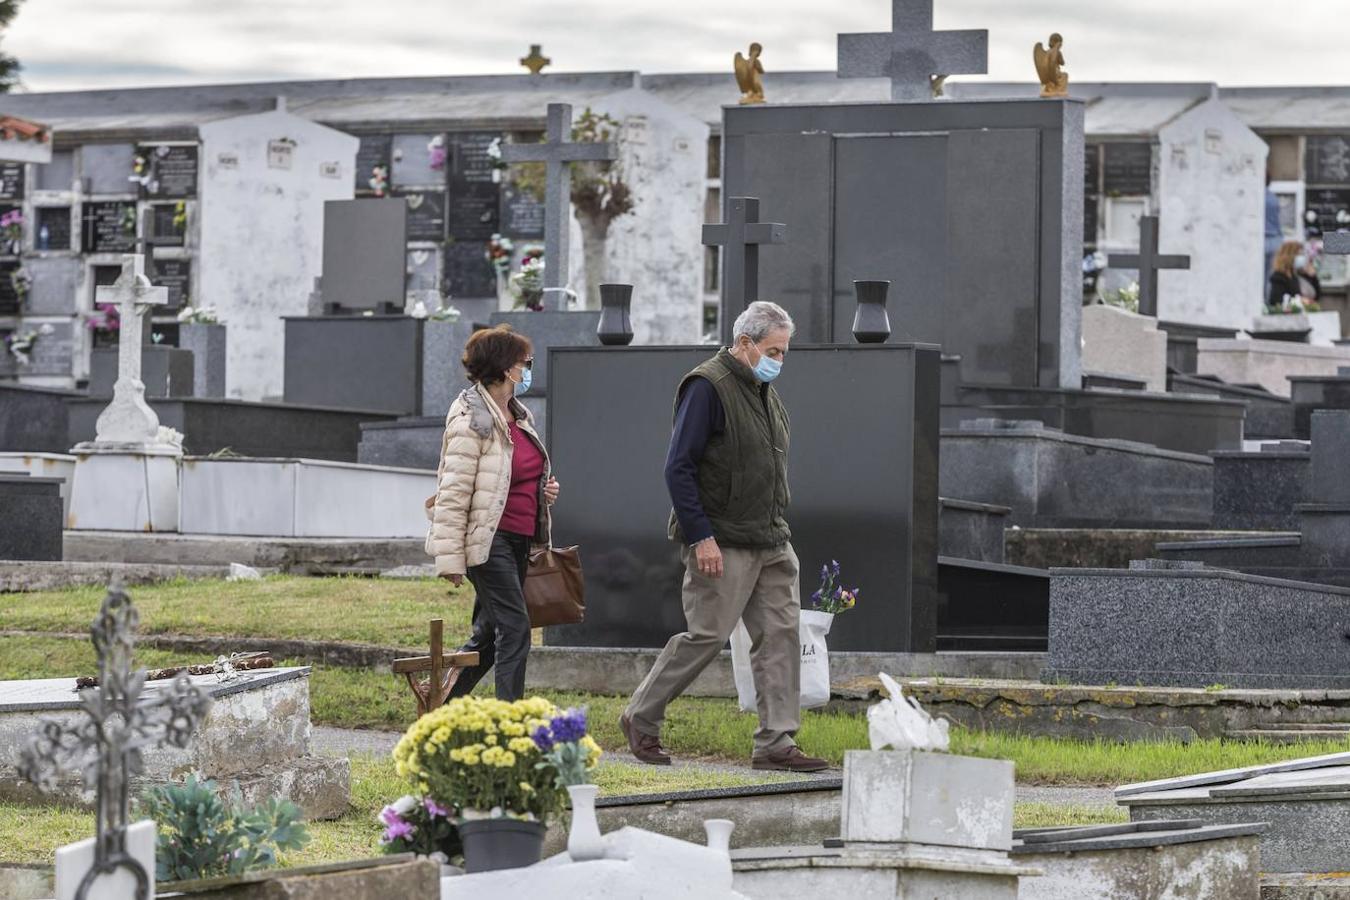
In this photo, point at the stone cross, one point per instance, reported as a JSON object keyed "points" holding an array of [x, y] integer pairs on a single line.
{"points": [[443, 669], [1148, 261], [557, 153], [911, 53], [107, 746], [128, 418], [740, 237]]}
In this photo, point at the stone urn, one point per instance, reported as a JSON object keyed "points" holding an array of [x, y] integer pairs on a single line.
{"points": [[616, 328], [871, 325]]}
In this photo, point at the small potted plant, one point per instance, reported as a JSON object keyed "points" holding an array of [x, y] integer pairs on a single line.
{"points": [[479, 757], [421, 825]]}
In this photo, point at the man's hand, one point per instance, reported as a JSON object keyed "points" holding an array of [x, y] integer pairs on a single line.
{"points": [[456, 580], [709, 558]]}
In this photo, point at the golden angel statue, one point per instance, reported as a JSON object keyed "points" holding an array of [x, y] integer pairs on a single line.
{"points": [[748, 72], [1049, 66]]}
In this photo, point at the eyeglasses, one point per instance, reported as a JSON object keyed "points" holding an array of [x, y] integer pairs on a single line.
{"points": [[527, 364]]}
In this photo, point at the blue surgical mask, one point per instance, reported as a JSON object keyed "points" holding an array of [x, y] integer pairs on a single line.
{"points": [[523, 385], [1300, 261], [767, 369]]}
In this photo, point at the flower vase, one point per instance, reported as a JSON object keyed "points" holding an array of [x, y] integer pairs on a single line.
{"points": [[719, 834], [615, 328], [583, 839], [871, 325]]}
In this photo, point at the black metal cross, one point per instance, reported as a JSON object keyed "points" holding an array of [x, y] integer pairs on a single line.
{"points": [[1148, 261], [739, 237], [557, 153], [911, 53], [106, 748]]}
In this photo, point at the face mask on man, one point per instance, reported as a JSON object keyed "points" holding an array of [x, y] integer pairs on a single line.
{"points": [[767, 369]]}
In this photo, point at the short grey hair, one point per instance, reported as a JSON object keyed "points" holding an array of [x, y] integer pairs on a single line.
{"points": [[761, 319]]}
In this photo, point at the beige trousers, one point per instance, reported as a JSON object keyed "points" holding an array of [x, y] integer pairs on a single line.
{"points": [[759, 586]]}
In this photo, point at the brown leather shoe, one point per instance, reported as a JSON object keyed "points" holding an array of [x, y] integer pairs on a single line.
{"points": [[646, 747], [790, 760]]}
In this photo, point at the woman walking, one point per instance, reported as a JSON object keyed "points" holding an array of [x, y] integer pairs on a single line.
{"points": [[494, 490]]}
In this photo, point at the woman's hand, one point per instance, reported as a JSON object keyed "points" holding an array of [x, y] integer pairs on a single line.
{"points": [[456, 580], [551, 491]]}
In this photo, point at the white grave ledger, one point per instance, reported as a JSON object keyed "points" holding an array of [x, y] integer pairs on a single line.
{"points": [[74, 860]]}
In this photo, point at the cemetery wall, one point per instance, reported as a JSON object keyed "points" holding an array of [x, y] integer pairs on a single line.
{"points": [[264, 182]]}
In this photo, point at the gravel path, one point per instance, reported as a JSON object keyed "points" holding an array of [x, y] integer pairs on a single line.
{"points": [[340, 741]]}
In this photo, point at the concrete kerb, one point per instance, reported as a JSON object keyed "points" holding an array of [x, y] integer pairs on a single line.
{"points": [[18, 576]]}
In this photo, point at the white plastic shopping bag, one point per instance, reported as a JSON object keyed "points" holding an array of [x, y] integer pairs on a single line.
{"points": [[815, 689]]}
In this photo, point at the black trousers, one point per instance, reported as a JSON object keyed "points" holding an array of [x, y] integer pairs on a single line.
{"points": [[501, 624]]}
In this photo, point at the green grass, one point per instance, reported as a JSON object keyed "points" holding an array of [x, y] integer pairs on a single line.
{"points": [[711, 728], [358, 610], [1047, 815]]}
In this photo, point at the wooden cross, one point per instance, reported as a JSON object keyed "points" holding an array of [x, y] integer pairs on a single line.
{"points": [[1148, 261], [557, 153], [739, 237], [443, 668], [911, 53]]}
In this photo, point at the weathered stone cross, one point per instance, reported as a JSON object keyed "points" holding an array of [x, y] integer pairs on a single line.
{"points": [[107, 745], [443, 668], [911, 53], [557, 153], [740, 237], [1148, 261], [128, 418]]}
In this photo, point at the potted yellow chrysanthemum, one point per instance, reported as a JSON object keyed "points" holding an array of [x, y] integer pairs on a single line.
{"points": [[478, 756]]}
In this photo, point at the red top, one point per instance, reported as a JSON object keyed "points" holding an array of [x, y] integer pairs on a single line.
{"points": [[522, 503]]}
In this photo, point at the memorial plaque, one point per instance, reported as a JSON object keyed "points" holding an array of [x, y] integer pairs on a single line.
{"points": [[522, 214], [475, 199], [106, 168], [10, 303], [426, 215], [374, 150], [412, 162], [11, 181], [108, 227], [1327, 203], [1092, 169], [467, 271], [1327, 159], [364, 253], [173, 171], [1128, 169], [176, 275], [423, 269], [167, 233], [52, 230]]}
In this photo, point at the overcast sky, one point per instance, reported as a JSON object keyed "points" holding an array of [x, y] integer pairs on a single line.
{"points": [[74, 44]]}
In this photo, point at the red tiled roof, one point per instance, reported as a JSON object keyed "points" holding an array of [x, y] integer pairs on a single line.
{"points": [[12, 128]]}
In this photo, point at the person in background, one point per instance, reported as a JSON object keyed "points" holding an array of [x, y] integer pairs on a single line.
{"points": [[494, 488], [1292, 276], [726, 471]]}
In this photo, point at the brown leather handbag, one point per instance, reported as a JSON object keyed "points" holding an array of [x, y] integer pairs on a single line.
{"points": [[554, 591]]}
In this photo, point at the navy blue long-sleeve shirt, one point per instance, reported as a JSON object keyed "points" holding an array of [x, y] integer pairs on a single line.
{"points": [[698, 416]]}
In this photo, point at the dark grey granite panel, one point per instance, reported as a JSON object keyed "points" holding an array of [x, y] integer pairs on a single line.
{"points": [[1196, 628], [877, 516], [34, 420], [971, 530], [249, 429], [1133, 835], [1258, 491], [1311, 393], [364, 252], [31, 517], [989, 606], [413, 442], [355, 362], [207, 344], [166, 372], [1183, 343], [1053, 480], [1167, 421]]}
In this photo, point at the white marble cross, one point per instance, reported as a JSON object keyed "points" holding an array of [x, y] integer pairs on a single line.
{"points": [[128, 419]]}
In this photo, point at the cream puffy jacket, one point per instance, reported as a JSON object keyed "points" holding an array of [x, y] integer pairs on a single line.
{"points": [[473, 481]]}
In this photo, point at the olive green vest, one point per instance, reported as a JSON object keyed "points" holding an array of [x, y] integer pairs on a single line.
{"points": [[742, 478]]}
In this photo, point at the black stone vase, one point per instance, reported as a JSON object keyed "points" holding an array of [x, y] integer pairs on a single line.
{"points": [[615, 329], [871, 325]]}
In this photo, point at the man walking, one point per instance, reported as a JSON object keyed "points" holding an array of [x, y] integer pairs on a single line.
{"points": [[727, 476]]}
